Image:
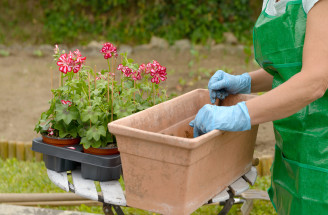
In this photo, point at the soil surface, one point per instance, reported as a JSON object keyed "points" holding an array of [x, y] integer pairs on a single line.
{"points": [[25, 82]]}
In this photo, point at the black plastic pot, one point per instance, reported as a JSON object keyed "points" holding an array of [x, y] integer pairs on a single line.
{"points": [[95, 167], [59, 164], [96, 173]]}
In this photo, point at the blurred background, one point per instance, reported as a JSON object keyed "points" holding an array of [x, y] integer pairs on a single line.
{"points": [[192, 39]]}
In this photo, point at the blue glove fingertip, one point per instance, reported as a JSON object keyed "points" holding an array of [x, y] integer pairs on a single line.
{"points": [[192, 123], [196, 134]]}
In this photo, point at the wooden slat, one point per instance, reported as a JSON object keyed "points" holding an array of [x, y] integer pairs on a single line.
{"points": [[113, 193], [84, 187], [11, 149], [4, 149], [239, 186], [20, 151], [38, 156], [255, 194], [223, 196], [59, 179], [29, 154], [251, 176], [247, 207]]}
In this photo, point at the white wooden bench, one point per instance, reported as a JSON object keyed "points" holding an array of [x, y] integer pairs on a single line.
{"points": [[112, 194]]}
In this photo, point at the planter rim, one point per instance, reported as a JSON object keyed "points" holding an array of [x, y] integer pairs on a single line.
{"points": [[117, 128], [188, 143]]}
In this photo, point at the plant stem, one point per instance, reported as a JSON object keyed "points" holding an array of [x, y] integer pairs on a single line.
{"points": [[112, 108], [89, 93], [154, 93], [134, 93], [108, 88], [51, 71], [89, 85], [108, 80], [95, 78], [61, 79], [121, 75]]}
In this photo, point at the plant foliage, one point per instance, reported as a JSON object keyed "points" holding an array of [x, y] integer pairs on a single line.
{"points": [[87, 101], [127, 21]]}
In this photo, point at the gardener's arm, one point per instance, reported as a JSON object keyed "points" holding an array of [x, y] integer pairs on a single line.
{"points": [[261, 81], [305, 87]]}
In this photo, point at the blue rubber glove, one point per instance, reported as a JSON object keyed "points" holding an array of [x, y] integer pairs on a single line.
{"points": [[226, 118], [222, 84]]}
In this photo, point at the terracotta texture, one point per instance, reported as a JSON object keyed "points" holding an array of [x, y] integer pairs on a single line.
{"points": [[61, 142], [165, 169]]}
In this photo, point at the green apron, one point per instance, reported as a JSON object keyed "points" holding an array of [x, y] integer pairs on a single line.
{"points": [[299, 183]]}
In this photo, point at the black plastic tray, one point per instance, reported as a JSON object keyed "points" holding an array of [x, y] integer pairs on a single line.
{"points": [[95, 167], [76, 155]]}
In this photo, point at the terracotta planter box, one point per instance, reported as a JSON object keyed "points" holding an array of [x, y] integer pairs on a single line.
{"points": [[166, 170]]}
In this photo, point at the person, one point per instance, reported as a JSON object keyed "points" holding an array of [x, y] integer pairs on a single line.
{"points": [[291, 47]]}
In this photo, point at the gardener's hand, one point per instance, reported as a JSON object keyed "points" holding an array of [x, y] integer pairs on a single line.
{"points": [[231, 118], [222, 84]]}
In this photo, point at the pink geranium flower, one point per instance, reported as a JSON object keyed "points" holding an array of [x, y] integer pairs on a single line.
{"points": [[71, 62], [69, 103], [78, 57], [157, 72], [136, 75], [108, 50], [127, 72], [65, 63], [56, 49], [50, 131], [120, 67], [143, 69]]}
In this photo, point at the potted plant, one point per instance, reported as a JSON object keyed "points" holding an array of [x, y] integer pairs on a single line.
{"points": [[110, 98], [59, 125], [87, 100]]}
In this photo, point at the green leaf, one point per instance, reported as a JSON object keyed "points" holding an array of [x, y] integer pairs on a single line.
{"points": [[66, 114], [85, 142], [102, 130], [95, 132], [96, 144]]}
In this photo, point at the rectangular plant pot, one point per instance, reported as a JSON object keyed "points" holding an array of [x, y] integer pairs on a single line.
{"points": [[165, 169]]}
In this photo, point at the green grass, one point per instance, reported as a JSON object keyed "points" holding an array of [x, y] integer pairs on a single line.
{"points": [[31, 177]]}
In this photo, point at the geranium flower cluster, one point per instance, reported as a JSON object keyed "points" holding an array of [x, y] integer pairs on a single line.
{"points": [[70, 62], [69, 103], [108, 50], [157, 71], [101, 76], [127, 72], [50, 131]]}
